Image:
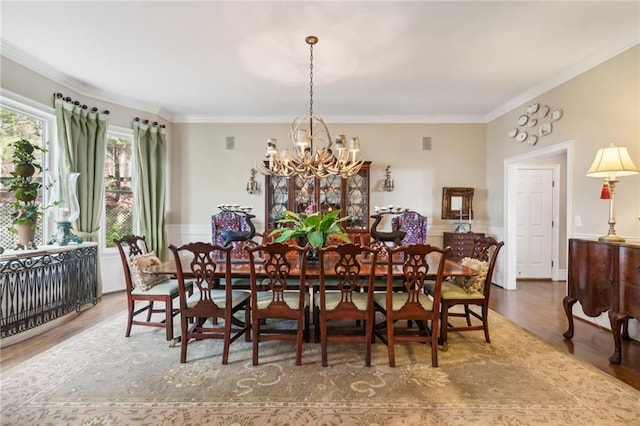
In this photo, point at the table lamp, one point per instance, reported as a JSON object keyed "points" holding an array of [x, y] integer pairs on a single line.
{"points": [[610, 163]]}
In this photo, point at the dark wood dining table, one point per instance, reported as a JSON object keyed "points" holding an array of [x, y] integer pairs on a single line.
{"points": [[240, 268]]}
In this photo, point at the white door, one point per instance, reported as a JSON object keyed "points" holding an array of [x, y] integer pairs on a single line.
{"points": [[534, 223]]}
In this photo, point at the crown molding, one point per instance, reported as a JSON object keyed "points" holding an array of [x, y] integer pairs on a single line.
{"points": [[17, 55], [623, 43], [13, 53], [343, 119]]}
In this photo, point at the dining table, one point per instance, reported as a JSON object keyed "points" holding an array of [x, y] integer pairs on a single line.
{"points": [[240, 268]]}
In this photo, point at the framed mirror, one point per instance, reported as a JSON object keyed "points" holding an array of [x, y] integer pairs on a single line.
{"points": [[456, 201]]}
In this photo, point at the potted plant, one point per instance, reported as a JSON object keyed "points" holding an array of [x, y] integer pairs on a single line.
{"points": [[25, 188], [316, 227]]}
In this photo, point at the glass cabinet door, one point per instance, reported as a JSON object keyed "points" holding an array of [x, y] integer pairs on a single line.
{"points": [[330, 194], [277, 199], [357, 200], [304, 193]]}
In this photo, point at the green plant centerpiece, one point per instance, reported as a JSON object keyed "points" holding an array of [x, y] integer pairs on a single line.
{"points": [[317, 228], [25, 188]]}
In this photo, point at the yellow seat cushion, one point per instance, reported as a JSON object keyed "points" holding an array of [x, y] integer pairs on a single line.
{"points": [[400, 299], [332, 299], [290, 297]]}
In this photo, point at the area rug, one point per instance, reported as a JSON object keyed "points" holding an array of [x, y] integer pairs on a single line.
{"points": [[100, 377]]}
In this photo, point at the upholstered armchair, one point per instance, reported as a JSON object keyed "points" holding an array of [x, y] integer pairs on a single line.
{"points": [[415, 226], [225, 221]]}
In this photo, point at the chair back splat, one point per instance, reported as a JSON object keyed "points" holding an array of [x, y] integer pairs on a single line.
{"points": [[144, 290], [346, 296], [213, 298], [411, 303], [282, 295]]}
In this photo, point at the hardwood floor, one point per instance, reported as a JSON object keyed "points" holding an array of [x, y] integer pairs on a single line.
{"points": [[535, 306]]}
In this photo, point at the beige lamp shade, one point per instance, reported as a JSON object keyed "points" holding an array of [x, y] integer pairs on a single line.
{"points": [[612, 161]]}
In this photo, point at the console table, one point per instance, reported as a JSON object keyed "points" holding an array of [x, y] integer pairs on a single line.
{"points": [[37, 286], [604, 277]]}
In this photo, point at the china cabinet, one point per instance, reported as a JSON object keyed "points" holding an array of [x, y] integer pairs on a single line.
{"points": [[350, 195]]}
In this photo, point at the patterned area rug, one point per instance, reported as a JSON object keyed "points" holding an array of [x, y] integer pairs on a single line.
{"points": [[102, 378]]}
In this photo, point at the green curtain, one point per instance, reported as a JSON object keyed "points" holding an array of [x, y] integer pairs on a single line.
{"points": [[82, 147], [150, 145]]}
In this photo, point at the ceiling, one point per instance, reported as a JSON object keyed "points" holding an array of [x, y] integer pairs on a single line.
{"points": [[223, 61]]}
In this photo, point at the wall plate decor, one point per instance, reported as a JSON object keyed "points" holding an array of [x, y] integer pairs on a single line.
{"points": [[533, 139], [523, 120], [522, 136], [512, 134], [545, 129], [531, 109], [556, 114], [543, 111], [532, 122]]}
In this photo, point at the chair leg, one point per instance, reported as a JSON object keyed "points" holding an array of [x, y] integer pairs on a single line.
{"points": [[444, 325], [299, 337], [306, 325], [316, 323], [150, 311], [247, 323], [227, 341], [256, 338], [434, 345], [466, 312], [184, 340], [323, 342], [390, 343], [168, 322], [132, 308], [368, 338], [485, 322]]}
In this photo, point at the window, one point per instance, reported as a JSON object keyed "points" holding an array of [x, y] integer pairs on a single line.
{"points": [[17, 122], [119, 216]]}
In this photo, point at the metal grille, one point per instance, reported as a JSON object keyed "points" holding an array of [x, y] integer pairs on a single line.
{"points": [[38, 289]]}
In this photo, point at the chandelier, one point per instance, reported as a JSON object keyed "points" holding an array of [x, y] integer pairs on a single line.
{"points": [[332, 158]]}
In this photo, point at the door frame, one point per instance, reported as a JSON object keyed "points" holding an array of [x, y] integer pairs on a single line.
{"points": [[511, 166]]}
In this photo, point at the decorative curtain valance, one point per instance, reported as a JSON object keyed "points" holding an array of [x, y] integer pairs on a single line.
{"points": [[150, 145]]}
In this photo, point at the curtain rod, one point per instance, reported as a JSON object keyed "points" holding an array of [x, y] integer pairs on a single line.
{"points": [[76, 103], [155, 123]]}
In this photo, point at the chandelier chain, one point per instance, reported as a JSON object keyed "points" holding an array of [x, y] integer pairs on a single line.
{"points": [[311, 80]]}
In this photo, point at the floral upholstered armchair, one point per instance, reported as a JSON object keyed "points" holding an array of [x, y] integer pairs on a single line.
{"points": [[229, 221], [415, 226]]}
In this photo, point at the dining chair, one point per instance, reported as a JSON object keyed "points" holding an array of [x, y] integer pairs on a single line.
{"points": [[279, 292], [212, 298], [345, 293], [146, 288], [411, 303], [471, 291]]}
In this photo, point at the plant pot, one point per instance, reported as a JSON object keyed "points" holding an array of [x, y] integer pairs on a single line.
{"points": [[26, 236]]}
